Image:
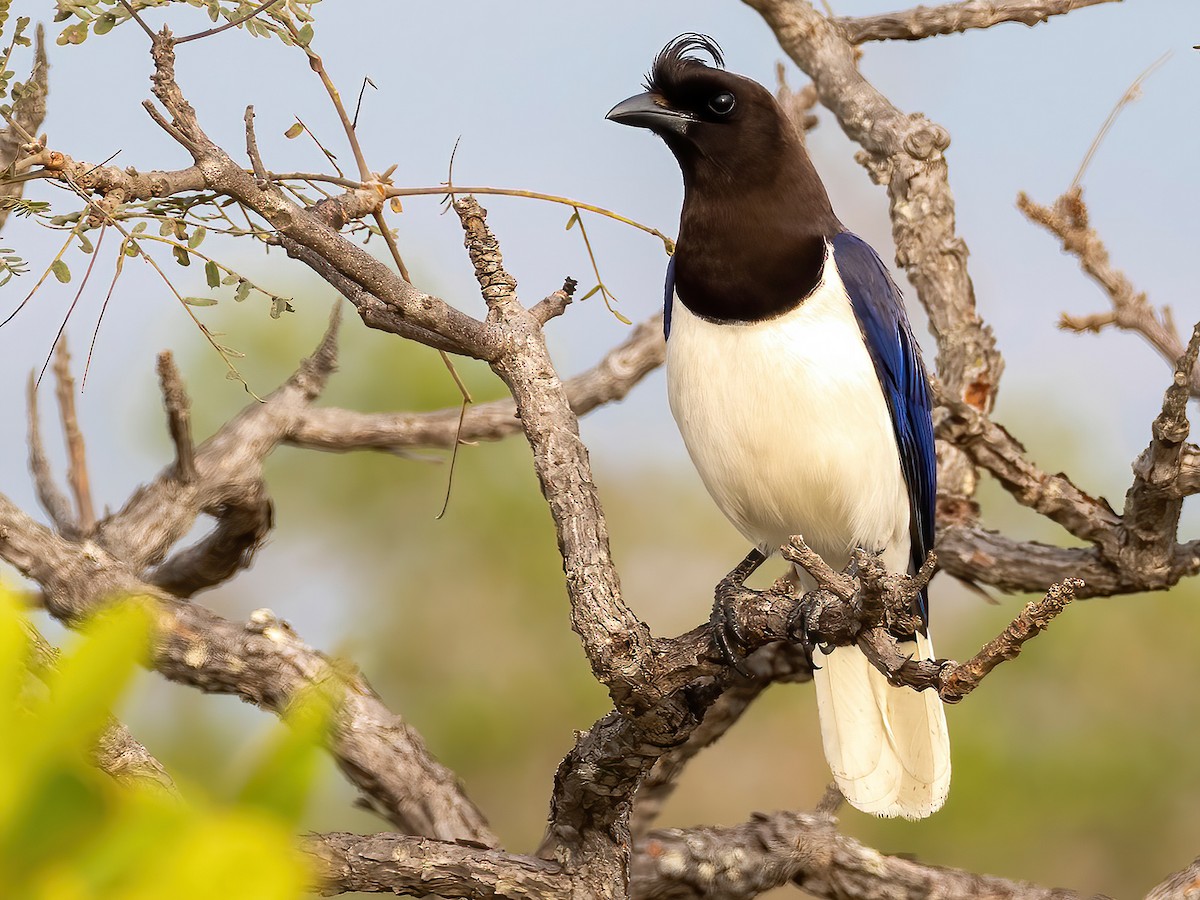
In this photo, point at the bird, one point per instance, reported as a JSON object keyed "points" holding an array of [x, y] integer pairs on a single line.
{"points": [[800, 392]]}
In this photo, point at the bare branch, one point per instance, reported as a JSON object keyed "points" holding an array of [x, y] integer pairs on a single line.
{"points": [[610, 380], [1131, 311], [398, 863], [742, 861], [992, 448], [77, 469], [1179, 886], [243, 524], [617, 643], [773, 663], [117, 752], [1153, 503], [951, 680], [924, 21], [52, 500], [179, 417]]}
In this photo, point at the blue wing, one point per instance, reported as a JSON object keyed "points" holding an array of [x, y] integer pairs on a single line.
{"points": [[670, 291], [879, 309]]}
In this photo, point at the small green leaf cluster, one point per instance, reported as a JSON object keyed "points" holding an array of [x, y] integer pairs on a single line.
{"points": [[67, 830], [18, 39], [101, 16]]}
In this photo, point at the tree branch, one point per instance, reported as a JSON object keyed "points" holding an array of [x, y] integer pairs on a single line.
{"points": [[52, 500], [925, 21], [1154, 502], [742, 861], [1131, 311], [117, 752], [610, 380], [398, 863]]}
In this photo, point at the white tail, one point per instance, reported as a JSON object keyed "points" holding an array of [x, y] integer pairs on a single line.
{"points": [[887, 746]]}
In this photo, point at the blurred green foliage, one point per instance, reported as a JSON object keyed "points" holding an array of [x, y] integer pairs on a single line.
{"points": [[70, 832]]}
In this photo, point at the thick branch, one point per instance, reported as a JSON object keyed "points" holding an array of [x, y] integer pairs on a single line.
{"points": [[398, 863], [1153, 503], [243, 524], [617, 643], [925, 21], [742, 861]]}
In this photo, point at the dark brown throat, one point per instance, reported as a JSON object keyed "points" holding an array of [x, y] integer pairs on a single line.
{"points": [[752, 248]]}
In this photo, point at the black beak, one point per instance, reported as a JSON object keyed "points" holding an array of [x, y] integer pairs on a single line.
{"points": [[649, 111]]}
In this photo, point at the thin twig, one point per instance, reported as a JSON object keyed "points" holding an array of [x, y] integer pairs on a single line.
{"points": [[179, 416], [232, 23], [134, 14], [318, 66], [1132, 93]]}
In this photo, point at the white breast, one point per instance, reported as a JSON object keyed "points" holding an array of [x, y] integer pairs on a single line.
{"points": [[786, 423]]}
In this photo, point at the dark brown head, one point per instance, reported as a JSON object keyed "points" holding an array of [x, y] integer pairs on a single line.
{"points": [[755, 214]]}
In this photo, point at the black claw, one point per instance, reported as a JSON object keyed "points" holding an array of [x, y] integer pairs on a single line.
{"points": [[727, 634], [797, 631], [726, 629]]}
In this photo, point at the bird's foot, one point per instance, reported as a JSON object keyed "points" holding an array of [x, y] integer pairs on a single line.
{"points": [[727, 631], [801, 636]]}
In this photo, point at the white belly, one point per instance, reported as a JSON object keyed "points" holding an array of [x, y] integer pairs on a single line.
{"points": [[788, 427]]}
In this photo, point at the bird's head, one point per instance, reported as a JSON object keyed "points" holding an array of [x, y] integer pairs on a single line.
{"points": [[715, 122]]}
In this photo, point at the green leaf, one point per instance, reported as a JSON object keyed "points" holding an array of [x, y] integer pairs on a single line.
{"points": [[61, 271], [306, 35], [589, 293], [200, 301], [141, 226], [294, 132], [131, 248], [104, 24], [84, 244], [283, 777], [181, 256], [573, 221], [90, 677], [242, 292], [197, 237], [212, 274], [280, 305]]}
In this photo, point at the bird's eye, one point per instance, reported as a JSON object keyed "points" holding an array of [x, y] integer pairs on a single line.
{"points": [[722, 104]]}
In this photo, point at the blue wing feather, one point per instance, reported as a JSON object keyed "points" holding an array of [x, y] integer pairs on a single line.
{"points": [[879, 309], [670, 292]]}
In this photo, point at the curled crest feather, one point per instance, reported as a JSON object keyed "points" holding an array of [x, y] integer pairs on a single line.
{"points": [[678, 56]]}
